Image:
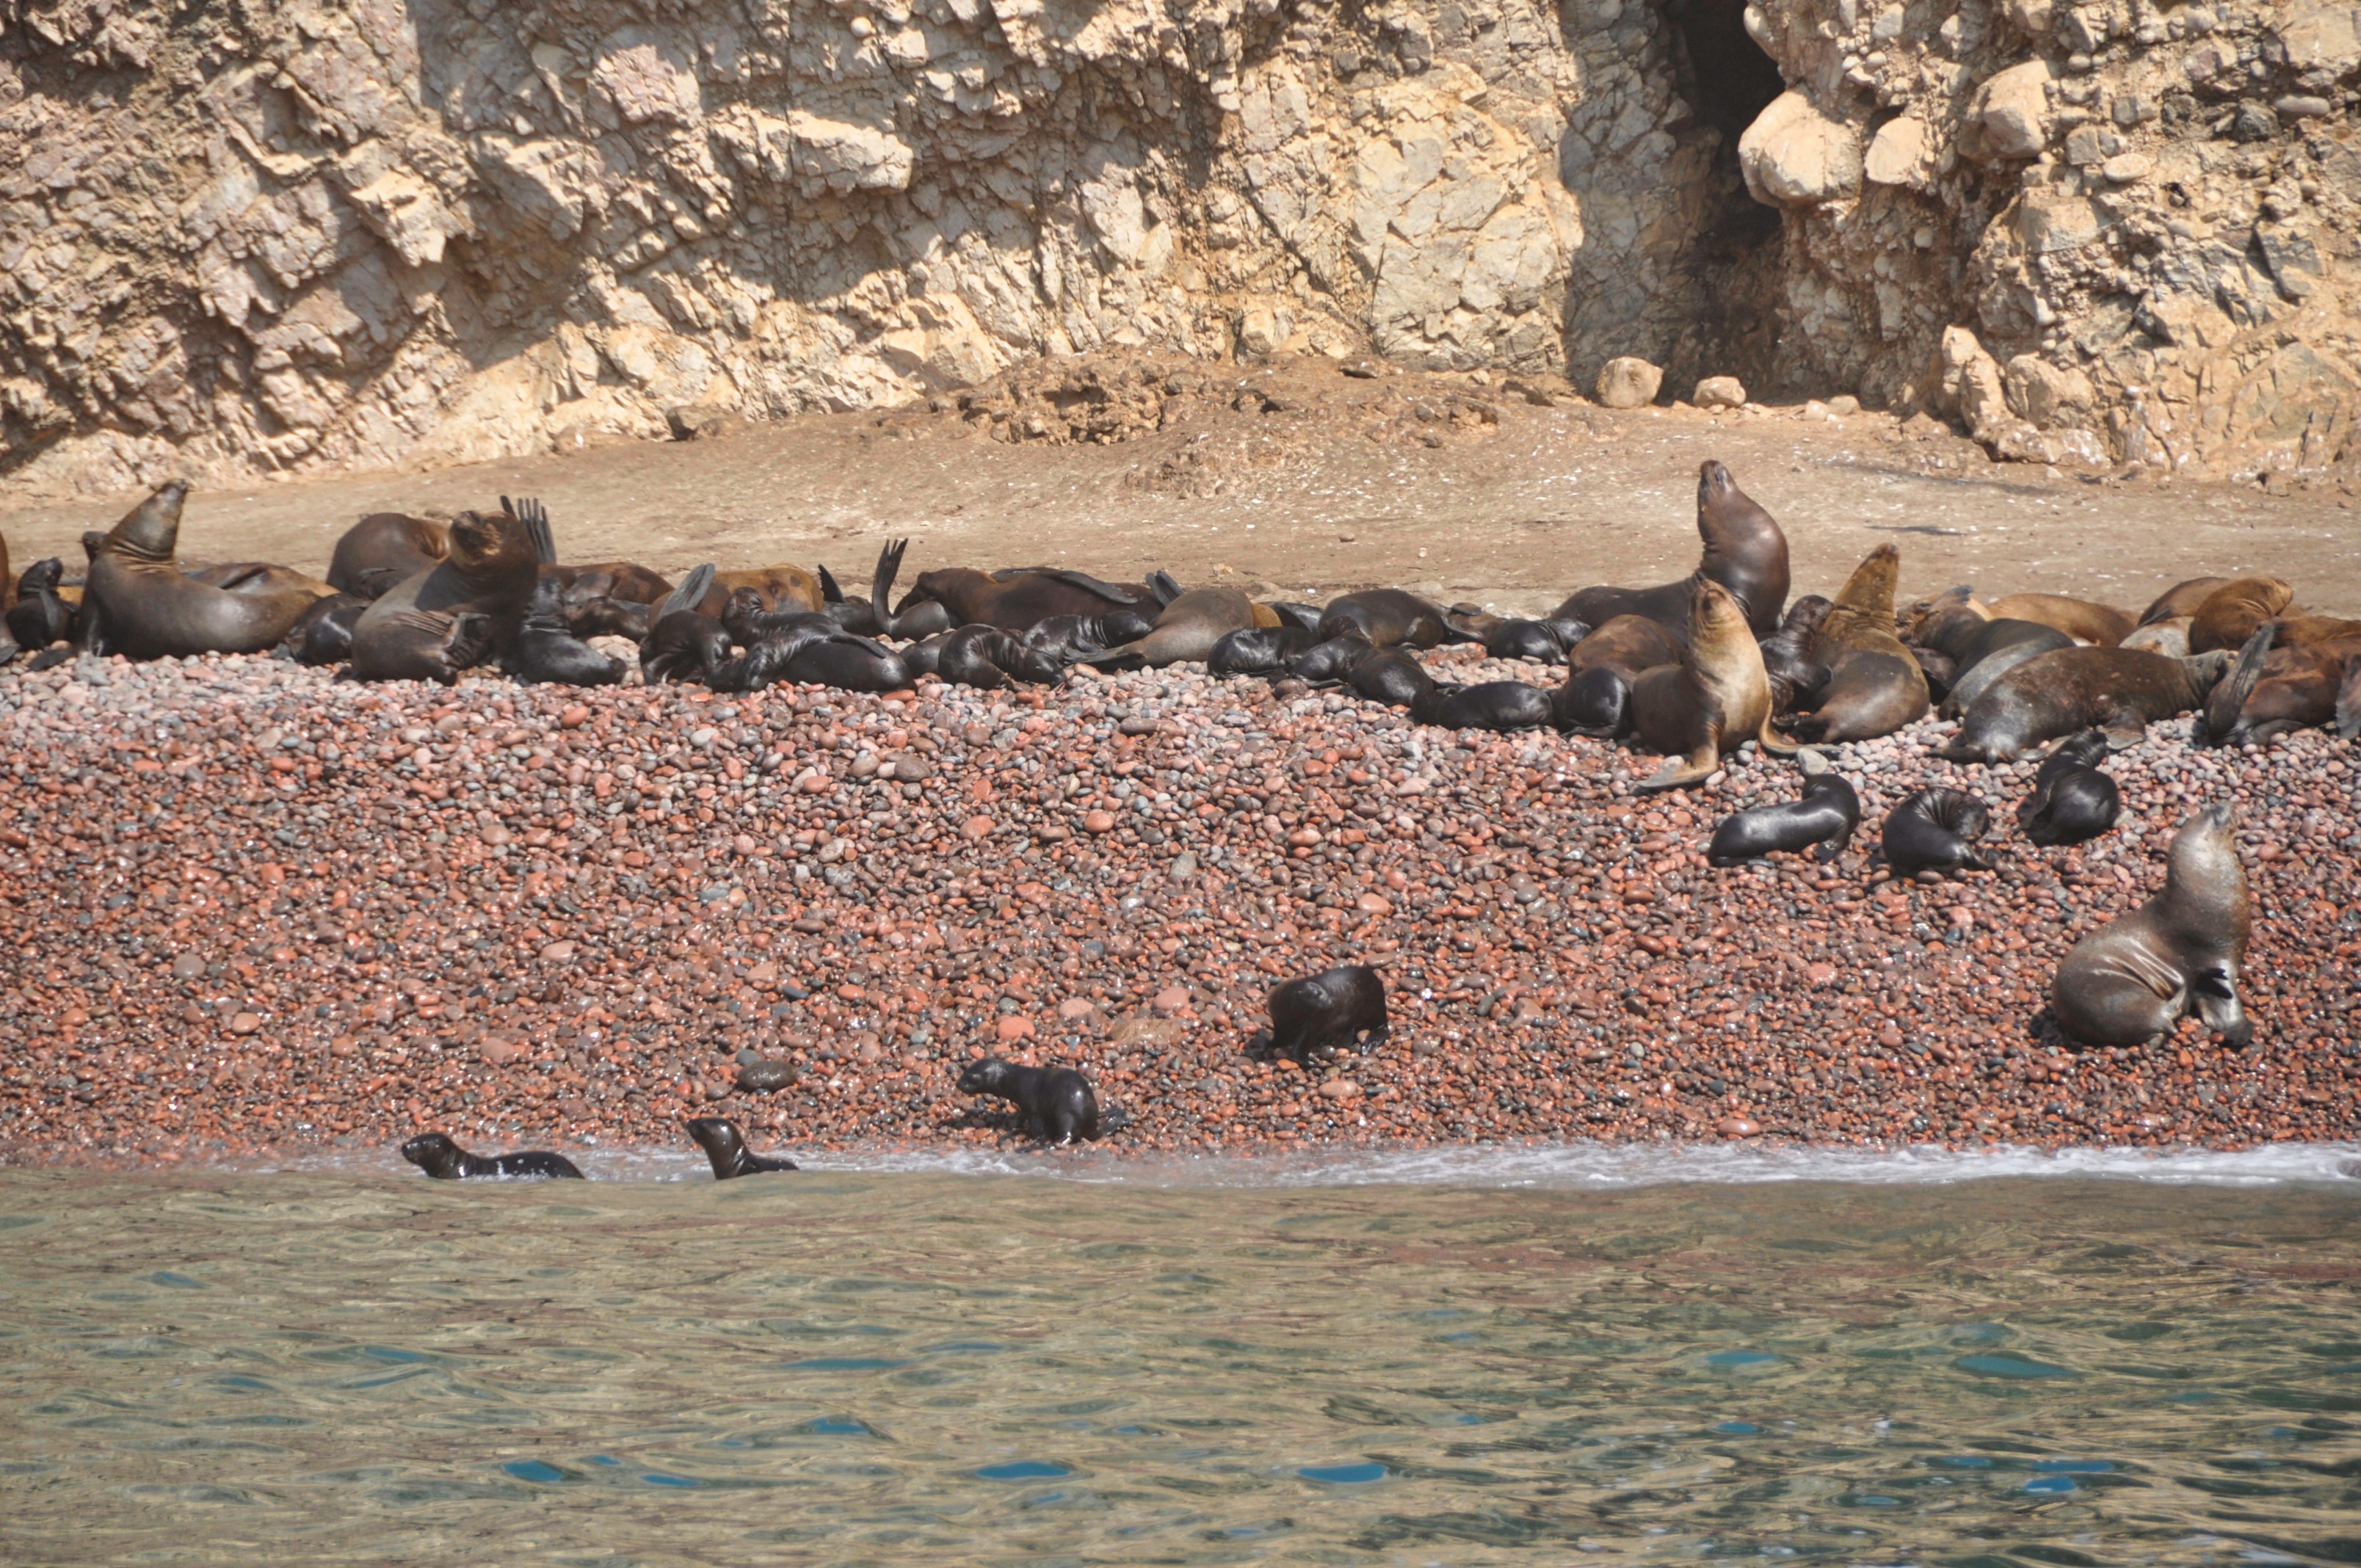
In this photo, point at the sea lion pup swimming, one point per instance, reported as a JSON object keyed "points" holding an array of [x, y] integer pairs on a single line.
{"points": [[1016, 601], [438, 1156], [726, 1147], [684, 643], [1259, 649], [1826, 815], [451, 616], [2120, 690], [1187, 629], [2071, 801], [2231, 613], [1387, 617], [1717, 698], [1874, 686], [1057, 1102], [384, 548], [42, 615], [1745, 552], [137, 602], [1503, 706], [324, 633], [2100, 625], [1322, 1014], [1930, 831], [2131, 981]]}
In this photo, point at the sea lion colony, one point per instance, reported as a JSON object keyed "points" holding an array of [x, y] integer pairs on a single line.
{"points": [[1732, 666]]}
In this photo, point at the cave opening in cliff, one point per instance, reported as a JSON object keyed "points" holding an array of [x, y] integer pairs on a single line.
{"points": [[1730, 79]]}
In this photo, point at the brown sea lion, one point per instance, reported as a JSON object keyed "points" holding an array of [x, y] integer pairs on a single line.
{"points": [[2316, 631], [684, 643], [1188, 628], [1014, 601], [2349, 699], [137, 602], [2130, 981], [780, 587], [1874, 685], [2100, 625], [260, 577], [1714, 700], [2272, 691], [2231, 612], [1744, 552], [1388, 618], [2121, 690], [1796, 681], [465, 608], [384, 548], [2180, 601], [1629, 645], [2169, 637]]}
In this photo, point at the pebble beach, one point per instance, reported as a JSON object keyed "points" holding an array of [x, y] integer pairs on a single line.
{"points": [[252, 910]]}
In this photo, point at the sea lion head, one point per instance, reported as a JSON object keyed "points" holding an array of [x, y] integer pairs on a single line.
{"points": [[720, 1138], [2204, 886], [484, 543], [1716, 617], [989, 1076], [1714, 484], [435, 1154], [150, 531]]}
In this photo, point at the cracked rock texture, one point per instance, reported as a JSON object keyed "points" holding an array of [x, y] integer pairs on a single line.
{"points": [[270, 238]]}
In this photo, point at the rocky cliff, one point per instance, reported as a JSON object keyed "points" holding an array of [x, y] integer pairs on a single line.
{"points": [[260, 236]]}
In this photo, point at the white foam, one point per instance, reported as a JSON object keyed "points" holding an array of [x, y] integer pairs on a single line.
{"points": [[1566, 1166]]}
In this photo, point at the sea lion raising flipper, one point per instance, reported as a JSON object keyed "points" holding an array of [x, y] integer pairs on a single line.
{"points": [[726, 1147], [1744, 550], [1716, 699], [438, 1156], [432, 626], [1057, 1102], [2183, 951], [2274, 688], [2071, 801], [1826, 815]]}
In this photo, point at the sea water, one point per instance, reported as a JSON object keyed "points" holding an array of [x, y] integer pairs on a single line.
{"points": [[1530, 1356]]}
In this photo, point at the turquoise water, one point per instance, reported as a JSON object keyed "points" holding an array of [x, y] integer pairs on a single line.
{"points": [[879, 1367]]}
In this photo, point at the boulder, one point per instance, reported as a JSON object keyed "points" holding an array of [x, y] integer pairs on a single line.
{"points": [[2009, 118], [2319, 45], [1721, 392], [1899, 153], [2041, 392], [1795, 156], [1629, 382]]}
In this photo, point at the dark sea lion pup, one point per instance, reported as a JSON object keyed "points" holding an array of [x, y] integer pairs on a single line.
{"points": [[2182, 951], [1930, 831], [1324, 1013], [41, 615], [1259, 649], [324, 633], [684, 643], [722, 1143], [438, 1156], [2071, 801], [1490, 705], [1057, 1102], [1826, 815]]}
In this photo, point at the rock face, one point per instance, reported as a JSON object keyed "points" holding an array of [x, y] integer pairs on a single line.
{"points": [[303, 233]]}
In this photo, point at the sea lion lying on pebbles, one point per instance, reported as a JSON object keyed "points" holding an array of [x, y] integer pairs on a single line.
{"points": [[2071, 801], [438, 1156], [1490, 705], [1188, 630], [1015, 601], [382, 550], [2231, 613], [1057, 1102], [726, 1147], [2131, 981], [2120, 690], [447, 619], [1874, 686], [1930, 831], [137, 600], [1826, 815], [684, 643], [2100, 625], [1387, 617], [1320, 1014], [1259, 649]]}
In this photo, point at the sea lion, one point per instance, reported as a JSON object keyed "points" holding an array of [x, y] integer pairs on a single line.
{"points": [[1874, 685], [2100, 625], [324, 633], [438, 1156], [1714, 700], [2180, 601], [1387, 617], [1063, 641], [989, 658], [1969, 684], [1322, 1014], [42, 615], [1504, 637], [452, 616], [926, 619], [749, 622], [546, 650], [2316, 631], [925, 656], [1629, 645], [684, 643], [626, 581], [1826, 815], [137, 602], [1745, 552], [1188, 628], [1329, 662], [258, 577], [1259, 649], [1594, 702], [2170, 638], [780, 587], [598, 616], [2121, 690], [1488, 705], [2231, 612], [1930, 831], [383, 549], [813, 652], [1389, 675], [1796, 681], [1015, 602], [2272, 691], [2349, 699], [726, 1147], [2071, 801], [2131, 981], [1057, 1102], [1306, 616]]}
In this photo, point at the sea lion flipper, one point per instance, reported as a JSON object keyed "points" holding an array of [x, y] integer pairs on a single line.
{"points": [[1163, 587], [535, 518], [691, 592], [828, 591], [2227, 700], [880, 582], [1778, 745], [1678, 774], [2124, 730]]}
